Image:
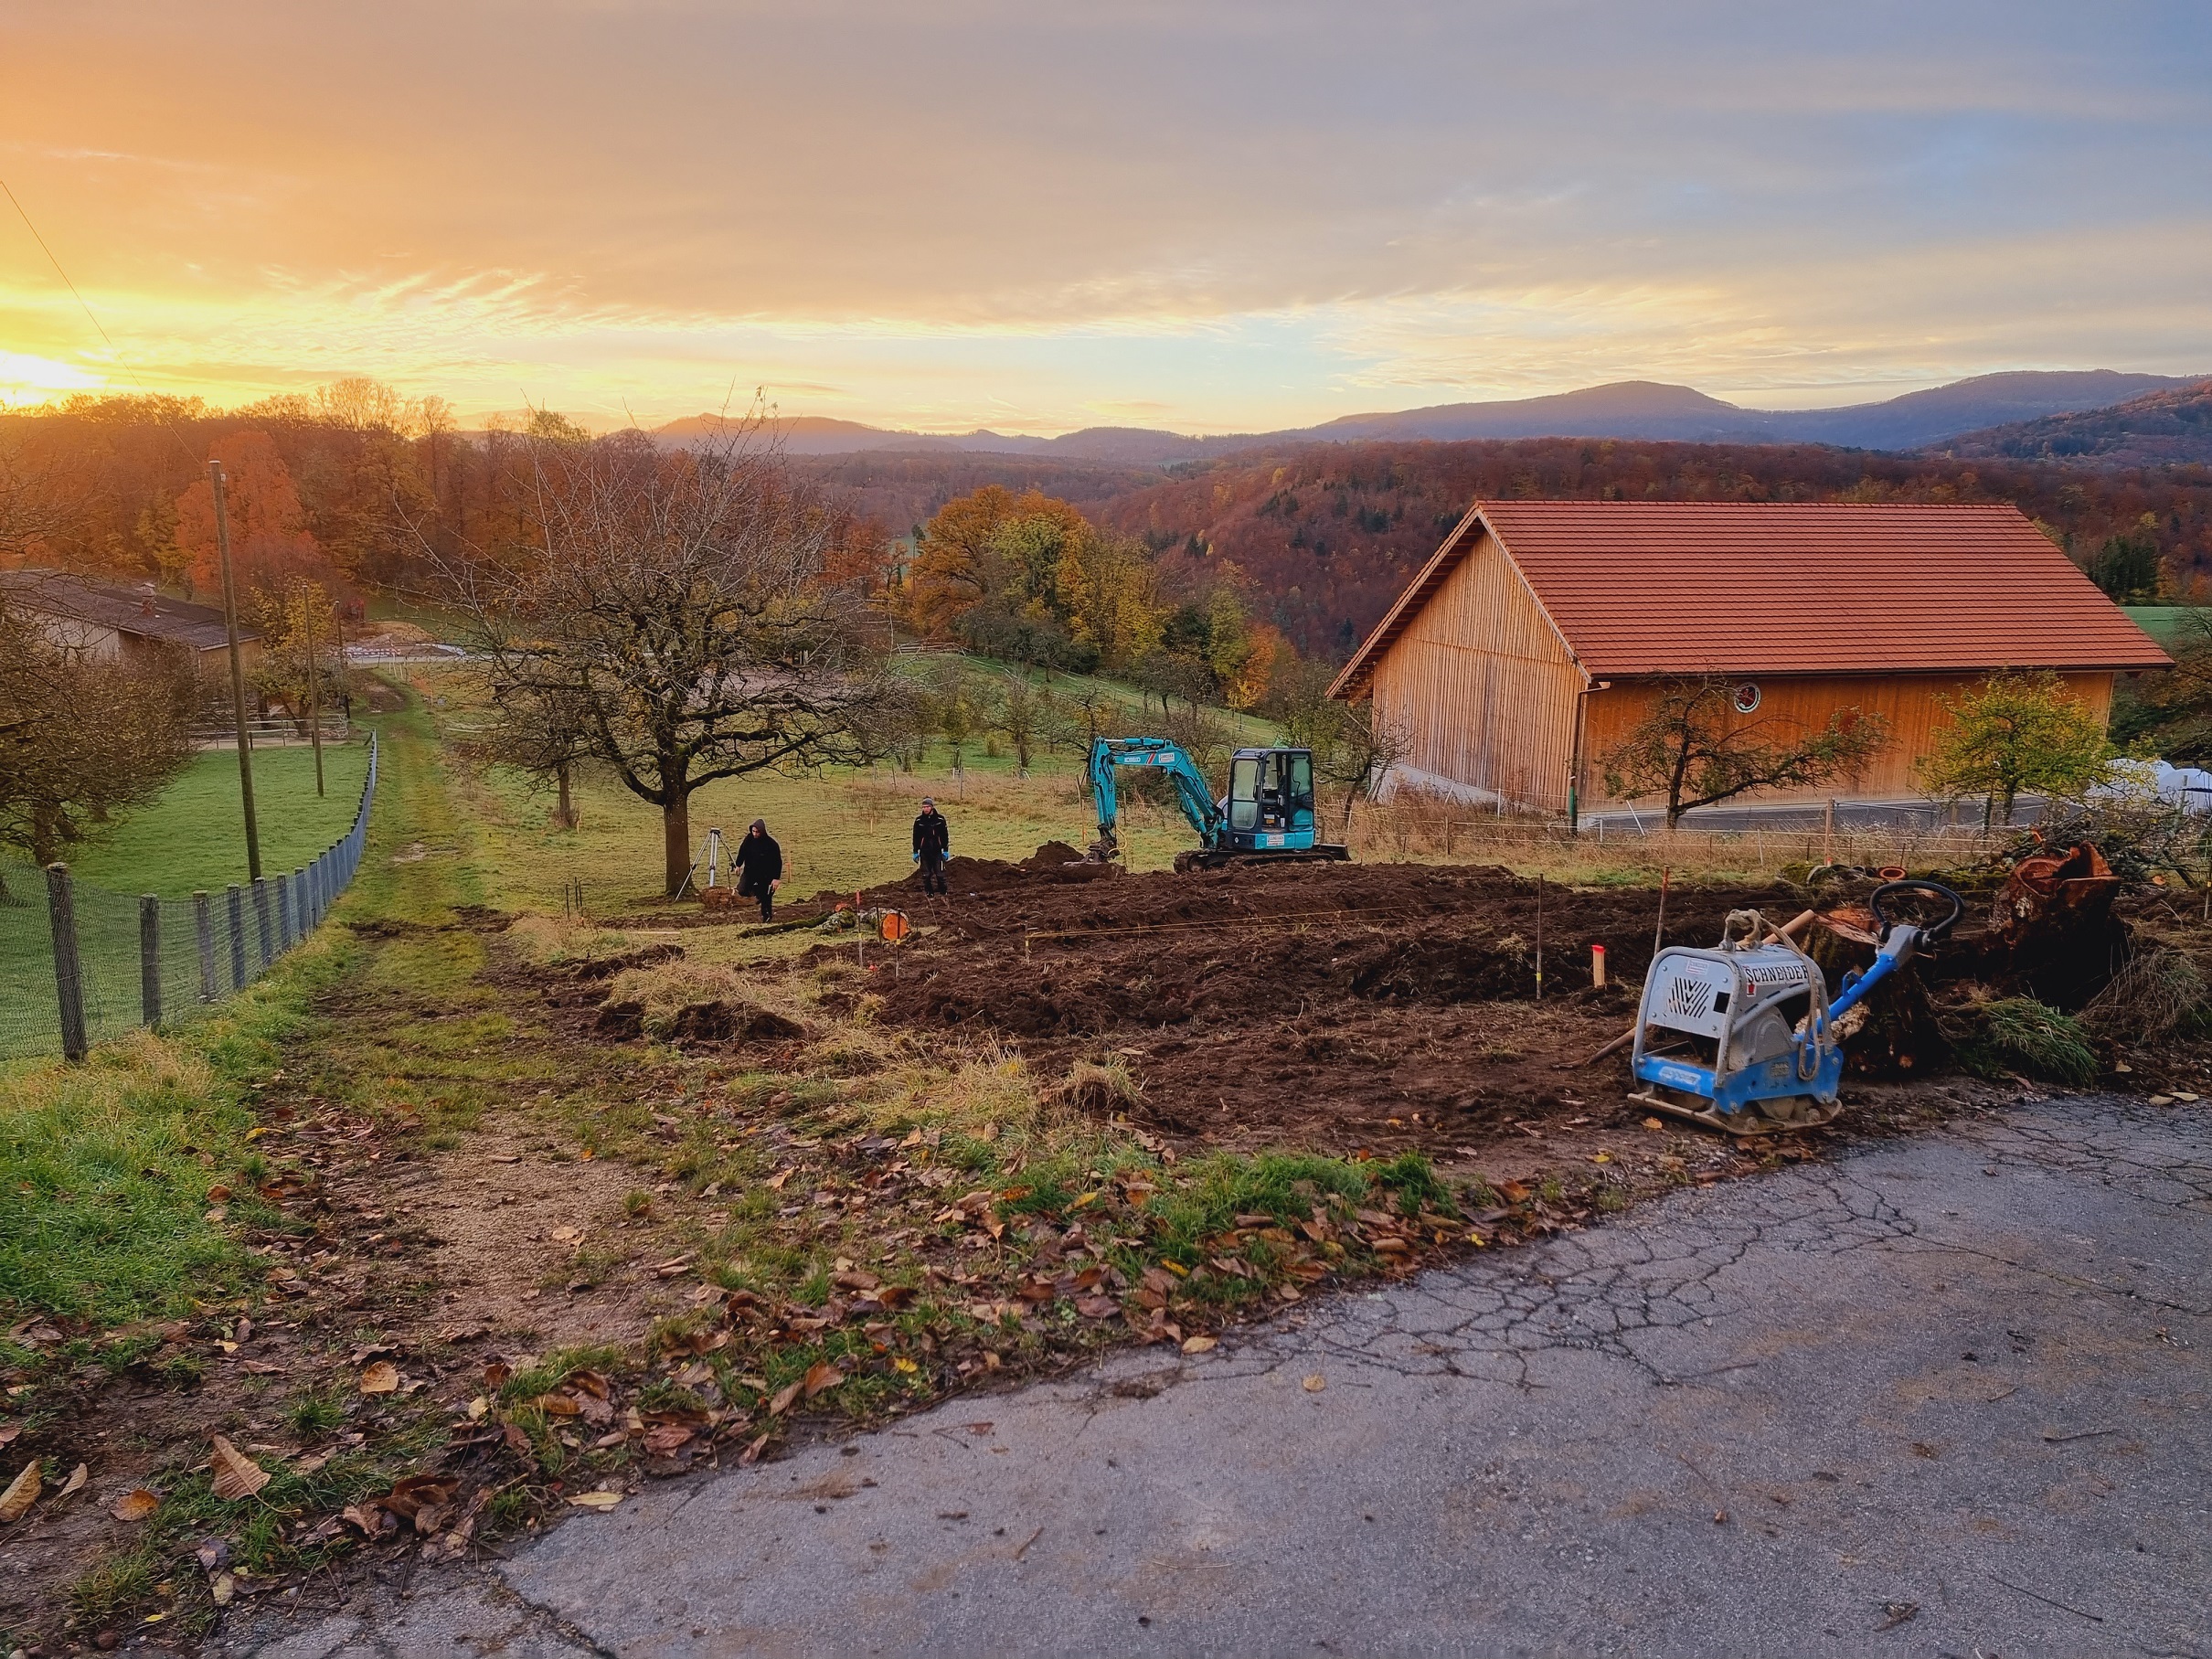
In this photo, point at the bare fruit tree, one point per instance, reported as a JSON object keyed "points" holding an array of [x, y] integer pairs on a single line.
{"points": [[1354, 747], [668, 615], [1694, 749], [81, 739]]}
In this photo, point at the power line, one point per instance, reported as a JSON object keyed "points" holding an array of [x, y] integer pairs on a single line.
{"points": [[94, 317]]}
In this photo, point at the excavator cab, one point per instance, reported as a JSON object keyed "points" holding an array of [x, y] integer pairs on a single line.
{"points": [[1271, 800]]}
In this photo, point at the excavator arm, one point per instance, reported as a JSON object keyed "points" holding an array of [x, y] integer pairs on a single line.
{"points": [[1109, 754]]}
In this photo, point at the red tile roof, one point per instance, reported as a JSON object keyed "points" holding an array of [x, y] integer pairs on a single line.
{"points": [[1662, 587]]}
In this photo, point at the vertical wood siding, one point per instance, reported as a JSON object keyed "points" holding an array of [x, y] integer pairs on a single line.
{"points": [[1787, 707], [1483, 686]]}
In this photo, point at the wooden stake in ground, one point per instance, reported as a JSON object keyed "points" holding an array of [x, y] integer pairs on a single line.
{"points": [[1539, 938], [1659, 929]]}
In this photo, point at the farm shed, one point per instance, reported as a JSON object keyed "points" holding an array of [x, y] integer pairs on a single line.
{"points": [[1540, 633], [109, 621]]}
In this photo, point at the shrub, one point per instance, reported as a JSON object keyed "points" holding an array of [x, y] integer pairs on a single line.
{"points": [[2018, 1033]]}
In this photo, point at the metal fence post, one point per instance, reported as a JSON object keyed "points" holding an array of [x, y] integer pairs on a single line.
{"points": [[236, 900], [68, 973], [203, 934], [149, 959], [284, 910], [264, 925]]}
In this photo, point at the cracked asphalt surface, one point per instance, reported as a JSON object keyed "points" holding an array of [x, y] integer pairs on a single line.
{"points": [[1946, 1394]]}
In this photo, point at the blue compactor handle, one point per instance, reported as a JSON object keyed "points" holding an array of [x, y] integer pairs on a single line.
{"points": [[1900, 941]]}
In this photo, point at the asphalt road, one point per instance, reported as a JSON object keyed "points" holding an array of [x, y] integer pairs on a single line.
{"points": [[1942, 1395]]}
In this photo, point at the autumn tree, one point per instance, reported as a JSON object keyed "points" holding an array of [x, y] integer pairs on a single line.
{"points": [[2016, 734], [299, 665], [1695, 749], [677, 601], [949, 707], [270, 542], [81, 739], [1020, 712], [1028, 579]]}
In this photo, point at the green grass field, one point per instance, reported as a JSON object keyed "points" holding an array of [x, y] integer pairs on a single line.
{"points": [[193, 839], [2173, 625]]}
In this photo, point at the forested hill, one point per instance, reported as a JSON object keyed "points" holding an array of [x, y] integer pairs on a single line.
{"points": [[1326, 535], [2162, 428]]}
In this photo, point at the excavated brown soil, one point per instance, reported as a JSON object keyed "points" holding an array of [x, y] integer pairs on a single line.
{"points": [[1342, 1007]]}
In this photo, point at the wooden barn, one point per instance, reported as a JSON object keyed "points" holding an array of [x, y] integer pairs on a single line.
{"points": [[1539, 634]]}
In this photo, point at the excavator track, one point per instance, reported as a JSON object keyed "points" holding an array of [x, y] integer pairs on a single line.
{"points": [[1186, 861]]}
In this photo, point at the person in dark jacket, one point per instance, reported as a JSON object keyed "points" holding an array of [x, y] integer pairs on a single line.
{"points": [[932, 846], [760, 863]]}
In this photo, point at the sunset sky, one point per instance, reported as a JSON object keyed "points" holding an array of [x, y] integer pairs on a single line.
{"points": [[1041, 216]]}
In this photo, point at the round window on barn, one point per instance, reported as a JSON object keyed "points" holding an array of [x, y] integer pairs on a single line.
{"points": [[1747, 697]]}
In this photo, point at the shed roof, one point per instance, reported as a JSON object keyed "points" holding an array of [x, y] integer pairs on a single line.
{"points": [[1647, 588], [138, 611]]}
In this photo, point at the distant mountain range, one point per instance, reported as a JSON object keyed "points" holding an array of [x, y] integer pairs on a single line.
{"points": [[1986, 407]]}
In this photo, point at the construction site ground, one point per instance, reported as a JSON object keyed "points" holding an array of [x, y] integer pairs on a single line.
{"points": [[1358, 1010]]}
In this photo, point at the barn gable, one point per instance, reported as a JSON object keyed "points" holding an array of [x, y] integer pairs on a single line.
{"points": [[1529, 644]]}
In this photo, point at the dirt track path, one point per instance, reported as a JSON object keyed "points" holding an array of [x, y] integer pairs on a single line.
{"points": [[1946, 1394]]}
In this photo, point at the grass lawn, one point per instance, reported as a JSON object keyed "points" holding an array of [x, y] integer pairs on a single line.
{"points": [[2171, 625], [192, 838]]}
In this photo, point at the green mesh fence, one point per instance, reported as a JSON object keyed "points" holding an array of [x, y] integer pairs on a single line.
{"points": [[81, 963]]}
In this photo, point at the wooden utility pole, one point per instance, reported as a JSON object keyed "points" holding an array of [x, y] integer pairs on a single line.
{"points": [[315, 711], [237, 675]]}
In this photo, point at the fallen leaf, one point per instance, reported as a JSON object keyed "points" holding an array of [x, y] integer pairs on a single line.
{"points": [[222, 1587], [1200, 1344], [782, 1402], [136, 1505], [1316, 1383], [558, 1404], [236, 1474], [668, 1439], [78, 1476], [1653, 1123], [382, 1378], [8, 1432], [496, 1374], [904, 1367], [820, 1375], [601, 1501], [21, 1493]]}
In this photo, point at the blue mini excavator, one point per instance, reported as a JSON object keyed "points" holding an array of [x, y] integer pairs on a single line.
{"points": [[1266, 817]]}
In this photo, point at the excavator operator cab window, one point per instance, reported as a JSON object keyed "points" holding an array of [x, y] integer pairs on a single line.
{"points": [[1301, 791], [1244, 791]]}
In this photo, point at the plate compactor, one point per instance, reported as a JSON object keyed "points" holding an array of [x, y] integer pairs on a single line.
{"points": [[1743, 1037]]}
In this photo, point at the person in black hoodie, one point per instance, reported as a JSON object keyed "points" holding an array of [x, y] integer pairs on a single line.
{"points": [[760, 863], [932, 846]]}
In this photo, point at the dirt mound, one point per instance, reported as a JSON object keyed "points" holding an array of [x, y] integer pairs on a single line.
{"points": [[973, 876], [721, 1022], [1051, 857]]}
